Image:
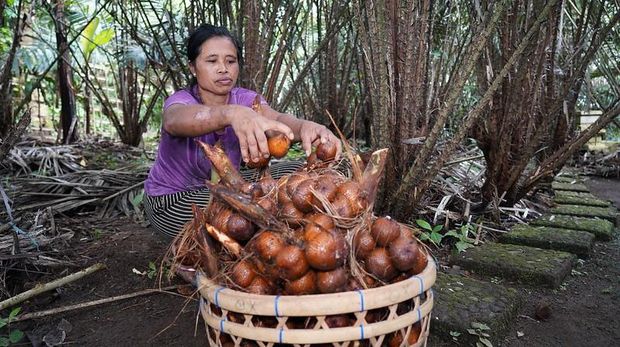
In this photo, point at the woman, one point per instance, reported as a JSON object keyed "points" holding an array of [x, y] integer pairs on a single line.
{"points": [[212, 109]]}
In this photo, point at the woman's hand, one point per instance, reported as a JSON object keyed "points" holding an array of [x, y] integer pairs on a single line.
{"points": [[250, 128], [312, 133]]}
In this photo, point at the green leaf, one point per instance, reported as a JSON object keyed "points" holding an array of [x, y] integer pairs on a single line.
{"points": [[480, 326], [137, 200], [465, 230], [436, 238], [424, 236], [104, 37], [3, 322], [453, 234], [4, 341], [472, 331], [424, 224], [15, 336], [87, 37], [14, 313], [455, 333], [461, 246], [437, 228], [486, 342]]}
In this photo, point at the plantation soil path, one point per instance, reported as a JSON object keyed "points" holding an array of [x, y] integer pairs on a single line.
{"points": [[583, 309]]}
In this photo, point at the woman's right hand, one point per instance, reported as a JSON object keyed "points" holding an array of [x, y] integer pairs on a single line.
{"points": [[250, 128]]}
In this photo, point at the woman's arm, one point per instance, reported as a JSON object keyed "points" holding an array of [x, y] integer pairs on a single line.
{"points": [[309, 133], [196, 120]]}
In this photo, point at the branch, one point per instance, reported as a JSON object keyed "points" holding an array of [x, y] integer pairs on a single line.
{"points": [[26, 100], [302, 74], [46, 313], [420, 162], [475, 113], [12, 301], [562, 154]]}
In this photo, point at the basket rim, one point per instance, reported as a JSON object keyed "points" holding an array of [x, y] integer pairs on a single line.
{"points": [[317, 304], [282, 334]]}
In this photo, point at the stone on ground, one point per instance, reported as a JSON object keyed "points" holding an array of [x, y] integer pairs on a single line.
{"points": [[523, 264], [461, 301], [571, 193], [567, 240], [607, 213], [602, 229], [567, 179], [575, 187], [585, 199]]}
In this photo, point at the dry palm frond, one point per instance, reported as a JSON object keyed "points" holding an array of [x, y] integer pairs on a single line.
{"points": [[457, 188], [28, 157], [107, 191]]}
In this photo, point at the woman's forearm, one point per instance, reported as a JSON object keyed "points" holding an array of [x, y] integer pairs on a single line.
{"points": [[292, 122], [195, 120]]}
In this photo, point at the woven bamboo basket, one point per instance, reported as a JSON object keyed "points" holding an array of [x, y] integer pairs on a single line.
{"points": [[235, 313]]}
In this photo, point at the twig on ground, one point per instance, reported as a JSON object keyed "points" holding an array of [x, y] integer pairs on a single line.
{"points": [[49, 286], [40, 314]]}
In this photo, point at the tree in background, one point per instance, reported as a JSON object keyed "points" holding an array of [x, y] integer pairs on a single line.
{"points": [[64, 71], [412, 99], [284, 45], [533, 112], [13, 20]]}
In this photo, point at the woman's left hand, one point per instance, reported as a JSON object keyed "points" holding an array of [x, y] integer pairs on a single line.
{"points": [[312, 133]]}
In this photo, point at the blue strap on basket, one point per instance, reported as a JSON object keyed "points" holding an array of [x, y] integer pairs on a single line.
{"points": [[419, 314], [361, 293], [275, 304], [421, 284], [217, 294], [281, 335], [362, 332], [222, 325]]}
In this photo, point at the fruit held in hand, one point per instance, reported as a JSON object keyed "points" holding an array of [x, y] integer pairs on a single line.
{"points": [[326, 151], [278, 145], [261, 163]]}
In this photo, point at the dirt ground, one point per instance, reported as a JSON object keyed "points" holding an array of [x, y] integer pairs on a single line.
{"points": [[584, 312]]}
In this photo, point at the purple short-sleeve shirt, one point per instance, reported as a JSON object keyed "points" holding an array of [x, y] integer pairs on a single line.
{"points": [[180, 165]]}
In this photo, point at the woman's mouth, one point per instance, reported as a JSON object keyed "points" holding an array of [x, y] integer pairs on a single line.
{"points": [[224, 81]]}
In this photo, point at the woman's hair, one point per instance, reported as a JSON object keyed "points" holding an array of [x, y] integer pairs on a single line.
{"points": [[205, 32]]}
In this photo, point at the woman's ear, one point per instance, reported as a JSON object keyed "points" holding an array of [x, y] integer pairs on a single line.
{"points": [[192, 69]]}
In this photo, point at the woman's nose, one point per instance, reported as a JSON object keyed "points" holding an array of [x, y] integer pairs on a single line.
{"points": [[221, 68]]}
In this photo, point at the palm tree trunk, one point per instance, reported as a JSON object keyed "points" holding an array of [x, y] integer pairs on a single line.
{"points": [[88, 101], [65, 89]]}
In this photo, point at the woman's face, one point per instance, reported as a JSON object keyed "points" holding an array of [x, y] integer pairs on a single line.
{"points": [[216, 68]]}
